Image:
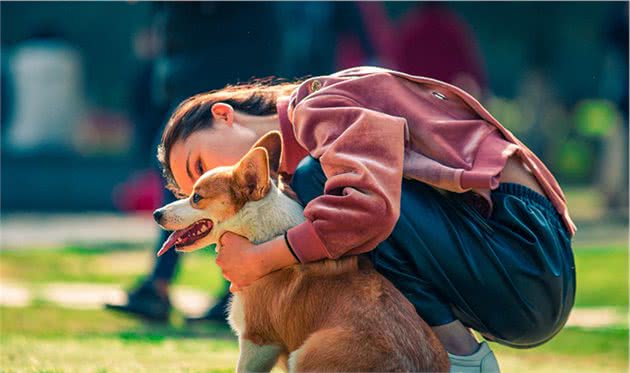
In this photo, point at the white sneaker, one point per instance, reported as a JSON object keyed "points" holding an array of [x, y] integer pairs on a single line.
{"points": [[482, 361]]}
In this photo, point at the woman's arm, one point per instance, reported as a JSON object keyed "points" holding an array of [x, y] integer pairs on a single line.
{"points": [[361, 151]]}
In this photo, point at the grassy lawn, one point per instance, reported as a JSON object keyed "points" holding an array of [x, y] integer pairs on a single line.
{"points": [[47, 338], [602, 277], [572, 350], [602, 272], [118, 266]]}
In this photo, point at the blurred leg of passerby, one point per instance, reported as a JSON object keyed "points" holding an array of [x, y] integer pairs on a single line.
{"points": [[150, 299]]}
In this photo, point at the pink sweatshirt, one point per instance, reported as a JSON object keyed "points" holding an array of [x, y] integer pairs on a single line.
{"points": [[370, 127]]}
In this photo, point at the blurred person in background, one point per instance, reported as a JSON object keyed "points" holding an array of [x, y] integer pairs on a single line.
{"points": [[450, 51], [143, 190], [203, 45], [454, 52]]}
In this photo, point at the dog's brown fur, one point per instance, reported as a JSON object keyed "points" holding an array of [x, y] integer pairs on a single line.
{"points": [[340, 316]]}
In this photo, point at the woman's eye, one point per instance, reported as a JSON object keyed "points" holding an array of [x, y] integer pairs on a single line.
{"points": [[196, 198], [199, 168]]}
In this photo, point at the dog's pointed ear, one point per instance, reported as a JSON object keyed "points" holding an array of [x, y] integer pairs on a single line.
{"points": [[272, 142], [252, 174]]}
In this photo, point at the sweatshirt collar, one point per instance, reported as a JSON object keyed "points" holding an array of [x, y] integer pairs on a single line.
{"points": [[292, 151]]}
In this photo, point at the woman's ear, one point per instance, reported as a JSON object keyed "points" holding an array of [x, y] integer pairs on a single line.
{"points": [[223, 112]]}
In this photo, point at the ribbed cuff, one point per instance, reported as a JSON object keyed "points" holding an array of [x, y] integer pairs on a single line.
{"points": [[306, 244], [286, 240]]}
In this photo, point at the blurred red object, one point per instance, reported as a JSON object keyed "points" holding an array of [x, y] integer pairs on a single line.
{"points": [[429, 40], [142, 192], [434, 41]]}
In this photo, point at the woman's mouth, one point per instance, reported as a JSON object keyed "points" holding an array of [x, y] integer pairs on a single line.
{"points": [[188, 235]]}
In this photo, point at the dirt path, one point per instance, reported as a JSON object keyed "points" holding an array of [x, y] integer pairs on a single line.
{"points": [[25, 231], [93, 296]]}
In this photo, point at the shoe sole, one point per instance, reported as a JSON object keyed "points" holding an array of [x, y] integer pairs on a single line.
{"points": [[132, 312]]}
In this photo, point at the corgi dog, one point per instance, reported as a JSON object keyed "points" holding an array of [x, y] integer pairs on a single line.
{"points": [[332, 315]]}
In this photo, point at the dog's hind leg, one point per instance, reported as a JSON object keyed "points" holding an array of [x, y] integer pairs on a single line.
{"points": [[256, 358], [335, 350]]}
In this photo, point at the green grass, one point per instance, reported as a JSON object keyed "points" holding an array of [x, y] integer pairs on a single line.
{"points": [[572, 350], [602, 277], [49, 322], [602, 272], [24, 354], [118, 266], [47, 338]]}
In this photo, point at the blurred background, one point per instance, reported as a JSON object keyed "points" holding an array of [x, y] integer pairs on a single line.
{"points": [[86, 88]]}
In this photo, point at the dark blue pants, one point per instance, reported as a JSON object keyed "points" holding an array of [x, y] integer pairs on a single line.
{"points": [[510, 277]]}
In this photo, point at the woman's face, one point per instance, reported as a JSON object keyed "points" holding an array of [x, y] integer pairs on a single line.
{"points": [[203, 150]]}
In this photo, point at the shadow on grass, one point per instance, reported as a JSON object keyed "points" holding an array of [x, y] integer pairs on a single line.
{"points": [[150, 332], [49, 321]]}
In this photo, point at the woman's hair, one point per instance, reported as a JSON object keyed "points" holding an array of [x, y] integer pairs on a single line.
{"points": [[258, 97]]}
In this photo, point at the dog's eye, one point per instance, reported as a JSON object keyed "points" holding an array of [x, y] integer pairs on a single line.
{"points": [[196, 198]]}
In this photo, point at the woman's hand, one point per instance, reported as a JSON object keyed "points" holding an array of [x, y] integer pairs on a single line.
{"points": [[242, 262], [237, 259]]}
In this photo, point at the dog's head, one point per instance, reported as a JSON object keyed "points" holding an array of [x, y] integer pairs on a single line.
{"points": [[216, 197]]}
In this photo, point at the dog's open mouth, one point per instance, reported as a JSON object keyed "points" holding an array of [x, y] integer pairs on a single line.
{"points": [[188, 235]]}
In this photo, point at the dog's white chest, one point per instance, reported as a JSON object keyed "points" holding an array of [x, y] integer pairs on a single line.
{"points": [[236, 316], [262, 220]]}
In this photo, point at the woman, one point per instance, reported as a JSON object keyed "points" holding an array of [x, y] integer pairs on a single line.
{"points": [[454, 210]]}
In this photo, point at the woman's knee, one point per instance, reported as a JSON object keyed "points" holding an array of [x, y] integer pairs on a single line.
{"points": [[308, 180]]}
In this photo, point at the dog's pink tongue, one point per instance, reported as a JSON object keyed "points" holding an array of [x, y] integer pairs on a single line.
{"points": [[170, 242]]}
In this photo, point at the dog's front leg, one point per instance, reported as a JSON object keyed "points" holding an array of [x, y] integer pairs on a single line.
{"points": [[256, 358]]}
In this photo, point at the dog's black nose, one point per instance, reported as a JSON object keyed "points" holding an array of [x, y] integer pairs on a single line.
{"points": [[157, 215]]}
